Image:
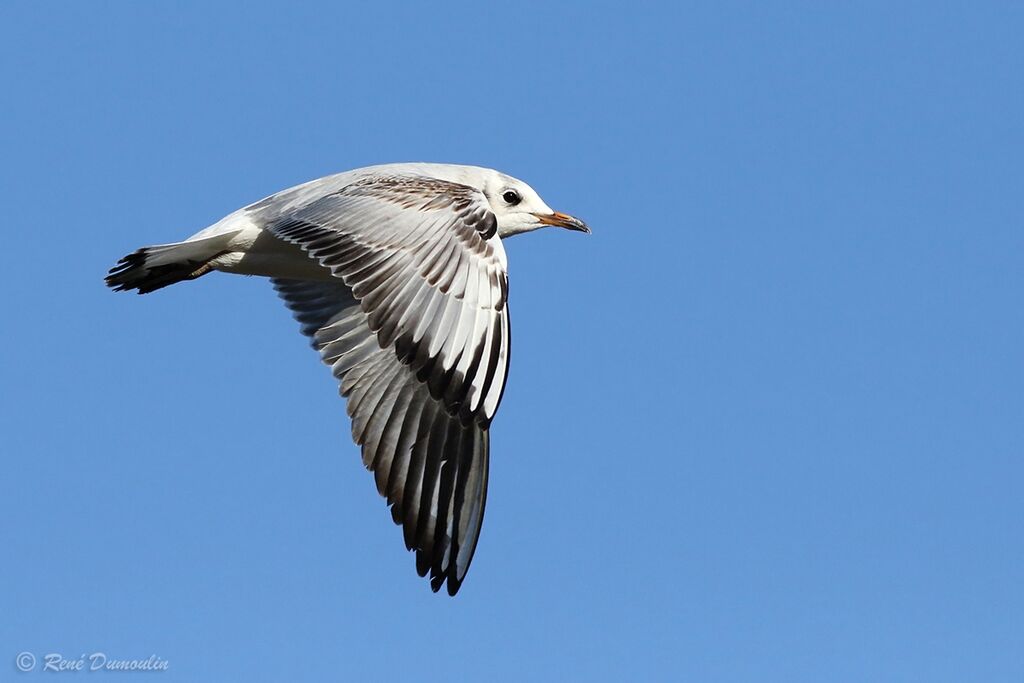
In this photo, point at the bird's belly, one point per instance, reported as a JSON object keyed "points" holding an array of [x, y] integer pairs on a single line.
{"points": [[266, 255]]}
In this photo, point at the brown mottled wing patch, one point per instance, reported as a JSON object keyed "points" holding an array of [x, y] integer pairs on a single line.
{"points": [[427, 194]]}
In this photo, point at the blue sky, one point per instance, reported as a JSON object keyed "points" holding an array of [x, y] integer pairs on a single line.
{"points": [[764, 424]]}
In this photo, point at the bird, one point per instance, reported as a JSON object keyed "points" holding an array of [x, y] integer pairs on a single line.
{"points": [[397, 275]]}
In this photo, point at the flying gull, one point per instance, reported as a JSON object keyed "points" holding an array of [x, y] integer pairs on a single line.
{"points": [[398, 276]]}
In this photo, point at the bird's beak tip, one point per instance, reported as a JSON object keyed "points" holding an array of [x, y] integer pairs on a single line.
{"points": [[563, 220]]}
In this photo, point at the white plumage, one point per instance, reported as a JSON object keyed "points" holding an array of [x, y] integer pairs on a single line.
{"points": [[398, 276]]}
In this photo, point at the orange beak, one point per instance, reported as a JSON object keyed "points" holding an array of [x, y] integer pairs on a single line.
{"points": [[563, 220]]}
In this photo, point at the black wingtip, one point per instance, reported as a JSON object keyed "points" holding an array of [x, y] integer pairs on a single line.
{"points": [[444, 578], [422, 563]]}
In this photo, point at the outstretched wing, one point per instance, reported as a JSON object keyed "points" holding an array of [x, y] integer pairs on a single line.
{"points": [[416, 330]]}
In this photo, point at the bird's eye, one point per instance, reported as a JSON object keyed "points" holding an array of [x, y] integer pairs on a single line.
{"points": [[511, 197]]}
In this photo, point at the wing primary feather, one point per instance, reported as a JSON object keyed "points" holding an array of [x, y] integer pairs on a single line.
{"points": [[401, 462], [390, 436], [430, 497], [445, 512], [428, 429]]}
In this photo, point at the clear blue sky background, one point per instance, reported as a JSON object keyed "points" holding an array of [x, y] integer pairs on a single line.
{"points": [[764, 424]]}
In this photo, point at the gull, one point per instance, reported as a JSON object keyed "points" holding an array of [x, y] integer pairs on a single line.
{"points": [[398, 276]]}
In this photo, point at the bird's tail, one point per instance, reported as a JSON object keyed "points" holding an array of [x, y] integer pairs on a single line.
{"points": [[151, 268]]}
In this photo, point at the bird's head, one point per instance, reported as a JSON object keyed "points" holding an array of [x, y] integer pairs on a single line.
{"points": [[519, 208]]}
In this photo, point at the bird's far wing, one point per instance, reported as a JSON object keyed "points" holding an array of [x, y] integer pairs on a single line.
{"points": [[416, 330], [423, 260]]}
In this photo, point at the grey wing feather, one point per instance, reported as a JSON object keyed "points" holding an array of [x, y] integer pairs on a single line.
{"points": [[431, 467]]}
